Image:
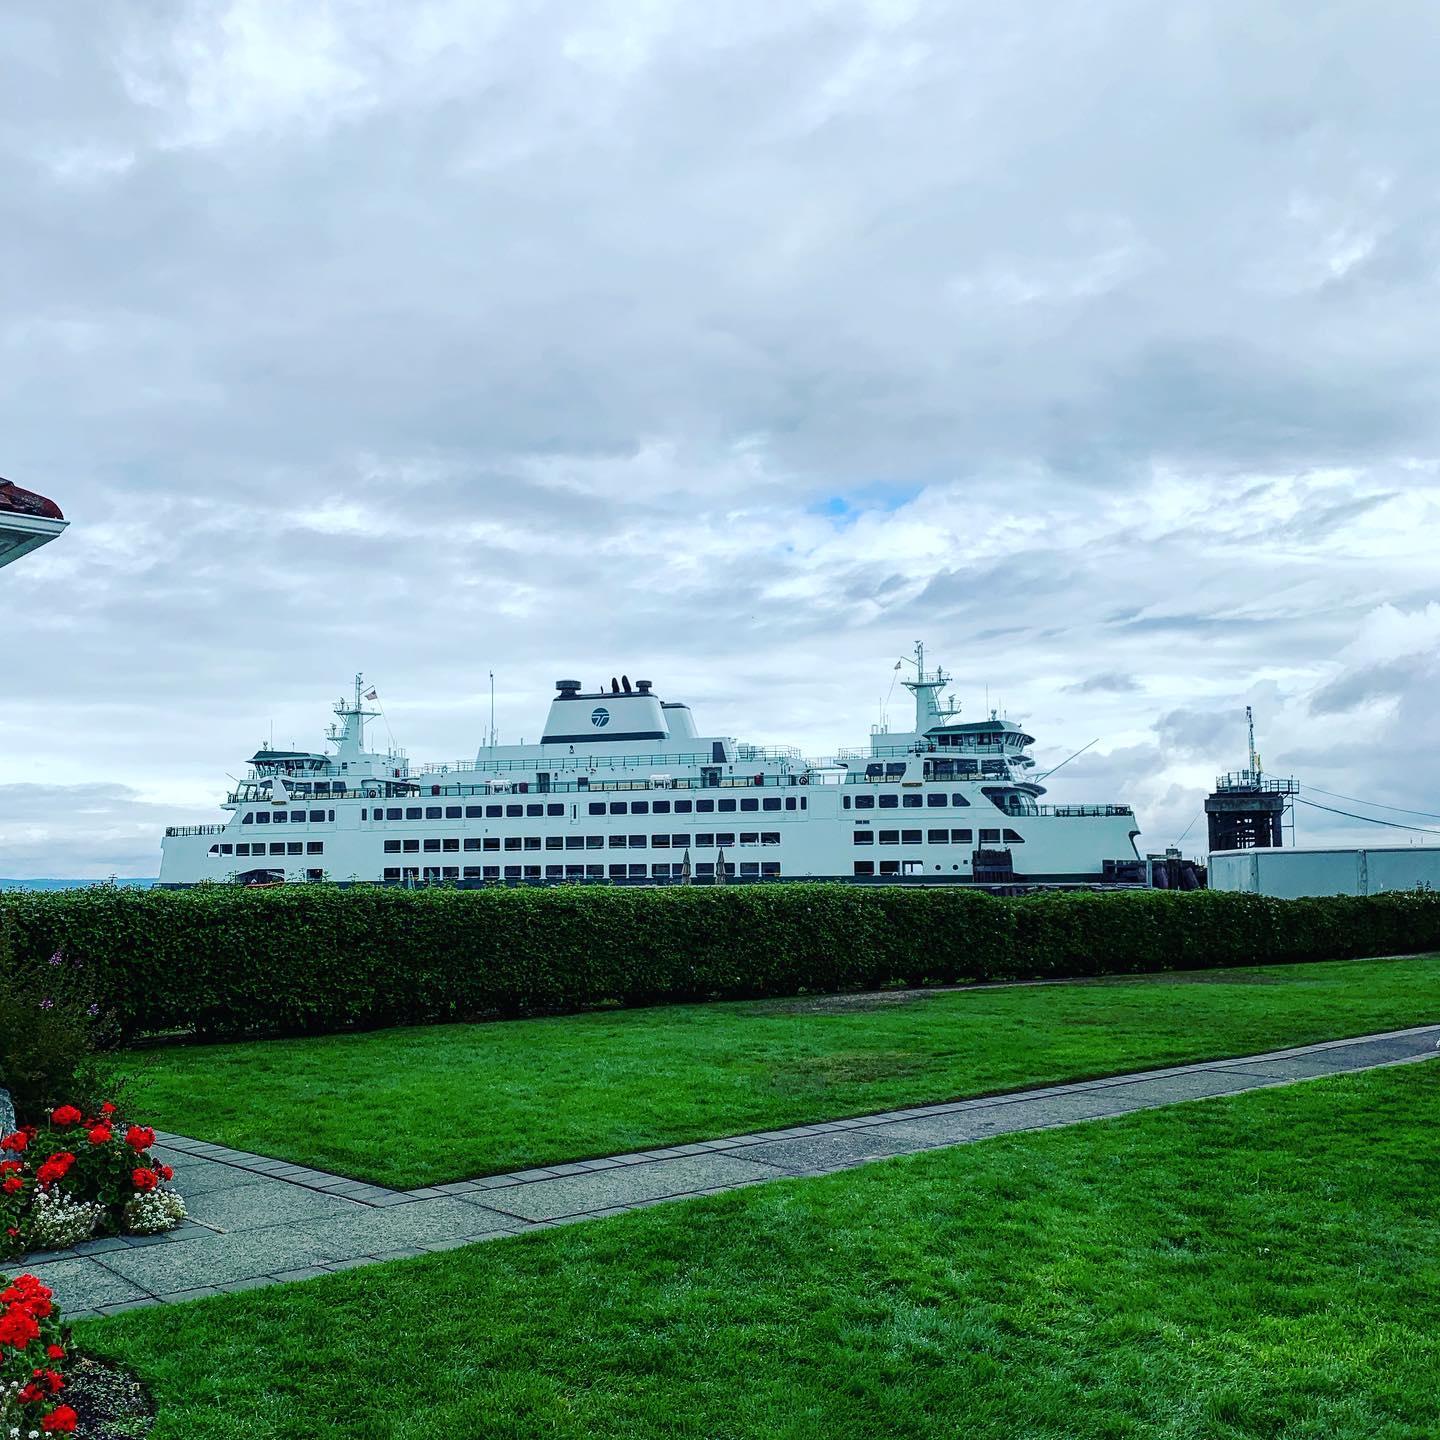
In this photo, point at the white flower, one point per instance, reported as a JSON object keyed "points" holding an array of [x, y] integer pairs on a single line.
{"points": [[149, 1214], [57, 1221]]}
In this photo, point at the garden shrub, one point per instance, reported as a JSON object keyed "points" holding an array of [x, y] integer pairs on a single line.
{"points": [[310, 959], [32, 1354]]}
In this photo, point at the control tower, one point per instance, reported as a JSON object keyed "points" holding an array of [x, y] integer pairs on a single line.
{"points": [[1246, 810], [27, 521]]}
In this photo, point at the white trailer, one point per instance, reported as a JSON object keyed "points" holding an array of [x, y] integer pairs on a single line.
{"points": [[1289, 874]]}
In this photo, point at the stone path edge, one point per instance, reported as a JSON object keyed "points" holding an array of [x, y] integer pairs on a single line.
{"points": [[304, 1236]]}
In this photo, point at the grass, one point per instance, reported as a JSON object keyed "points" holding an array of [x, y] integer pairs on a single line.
{"points": [[1261, 1266], [431, 1104]]}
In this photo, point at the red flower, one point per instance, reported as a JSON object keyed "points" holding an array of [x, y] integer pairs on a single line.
{"points": [[66, 1115], [55, 1168], [18, 1328], [144, 1180], [13, 1184], [100, 1135], [139, 1138], [17, 1142], [107, 1108], [61, 1418], [167, 1172], [55, 1352], [54, 1381]]}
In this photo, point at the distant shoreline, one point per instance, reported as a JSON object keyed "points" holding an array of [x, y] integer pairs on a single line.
{"points": [[131, 883]]}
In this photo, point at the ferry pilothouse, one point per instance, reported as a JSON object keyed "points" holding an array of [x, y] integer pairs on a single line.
{"points": [[622, 787]]}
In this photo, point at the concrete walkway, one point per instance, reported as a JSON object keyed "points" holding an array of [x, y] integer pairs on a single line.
{"points": [[256, 1221]]}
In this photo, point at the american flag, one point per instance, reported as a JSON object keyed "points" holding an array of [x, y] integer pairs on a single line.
{"points": [[372, 694]]}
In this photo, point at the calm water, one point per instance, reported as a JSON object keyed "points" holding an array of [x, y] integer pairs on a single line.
{"points": [[57, 884]]}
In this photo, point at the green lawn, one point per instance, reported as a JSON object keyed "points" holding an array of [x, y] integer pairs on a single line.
{"points": [[426, 1105], [1261, 1266]]}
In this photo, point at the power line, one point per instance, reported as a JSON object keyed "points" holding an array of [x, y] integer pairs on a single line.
{"points": [[1351, 815], [1188, 828], [1373, 804]]}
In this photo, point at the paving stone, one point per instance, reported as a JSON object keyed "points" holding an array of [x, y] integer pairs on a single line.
{"points": [[826, 1152], [304, 1272], [194, 1177], [273, 1202], [87, 1283], [577, 1194], [367, 1232], [216, 1260]]}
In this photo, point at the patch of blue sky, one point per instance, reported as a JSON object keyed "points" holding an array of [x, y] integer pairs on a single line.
{"points": [[881, 496]]}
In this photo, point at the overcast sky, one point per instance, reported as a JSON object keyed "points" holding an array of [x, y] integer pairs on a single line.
{"points": [[737, 347]]}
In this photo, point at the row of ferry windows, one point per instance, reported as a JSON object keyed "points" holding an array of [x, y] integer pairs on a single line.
{"points": [[594, 807], [892, 800], [936, 837], [276, 847], [578, 872], [703, 841], [282, 817]]}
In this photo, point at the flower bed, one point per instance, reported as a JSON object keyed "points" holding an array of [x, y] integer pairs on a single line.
{"points": [[82, 1175], [31, 1355]]}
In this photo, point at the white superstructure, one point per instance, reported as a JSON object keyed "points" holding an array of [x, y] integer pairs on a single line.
{"points": [[622, 786]]}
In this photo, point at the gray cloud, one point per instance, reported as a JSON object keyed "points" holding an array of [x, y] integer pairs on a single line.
{"points": [[742, 349]]}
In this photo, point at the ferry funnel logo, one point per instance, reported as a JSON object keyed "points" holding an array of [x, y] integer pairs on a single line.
{"points": [[600, 717]]}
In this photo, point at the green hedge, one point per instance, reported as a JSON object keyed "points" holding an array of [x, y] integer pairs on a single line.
{"points": [[311, 959]]}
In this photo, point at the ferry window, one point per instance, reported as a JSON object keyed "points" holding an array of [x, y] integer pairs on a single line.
{"points": [[957, 799], [512, 872], [490, 872], [935, 799], [845, 802], [889, 867], [617, 842], [294, 847], [912, 802], [749, 867], [472, 842], [660, 872], [864, 837], [679, 842], [411, 847], [494, 812], [659, 842], [769, 837], [771, 802], [532, 842], [472, 872], [594, 842], [724, 837], [532, 872], [314, 847], [769, 867], [490, 842], [909, 837], [617, 807], [392, 847], [595, 872], [889, 802], [597, 807], [452, 812], [962, 837], [789, 802], [279, 817], [473, 812], [750, 804], [332, 815], [512, 842], [889, 837], [247, 818], [432, 845], [262, 817], [726, 805], [242, 849], [554, 842], [660, 807], [533, 810], [617, 872], [704, 868], [556, 809], [639, 807], [1011, 838], [803, 802], [277, 848], [412, 812], [392, 872], [989, 837], [227, 849], [637, 872], [433, 812], [864, 802], [574, 842], [638, 842], [864, 867], [704, 807], [450, 843], [937, 837], [318, 816], [513, 810], [704, 841], [393, 813], [554, 872], [749, 837], [682, 807]]}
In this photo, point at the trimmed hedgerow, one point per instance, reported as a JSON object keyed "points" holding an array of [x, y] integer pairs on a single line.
{"points": [[313, 959]]}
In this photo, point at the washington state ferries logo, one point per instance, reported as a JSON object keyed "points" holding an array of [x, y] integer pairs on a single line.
{"points": [[600, 717]]}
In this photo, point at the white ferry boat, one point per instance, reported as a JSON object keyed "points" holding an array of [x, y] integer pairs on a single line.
{"points": [[622, 787]]}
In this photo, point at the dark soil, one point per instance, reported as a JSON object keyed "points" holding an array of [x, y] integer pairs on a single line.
{"points": [[111, 1403]]}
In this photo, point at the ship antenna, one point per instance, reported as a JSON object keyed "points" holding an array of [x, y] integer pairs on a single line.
{"points": [[492, 717], [1250, 722]]}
